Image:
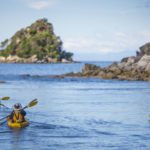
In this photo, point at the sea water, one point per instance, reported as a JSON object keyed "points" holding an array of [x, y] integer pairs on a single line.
{"points": [[74, 113]]}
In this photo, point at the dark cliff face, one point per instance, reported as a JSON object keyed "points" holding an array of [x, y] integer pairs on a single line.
{"points": [[38, 39]]}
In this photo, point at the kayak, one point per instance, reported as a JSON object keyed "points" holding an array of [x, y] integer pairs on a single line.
{"points": [[17, 124]]}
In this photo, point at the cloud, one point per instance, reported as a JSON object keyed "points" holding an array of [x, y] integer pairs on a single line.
{"points": [[40, 4], [111, 43]]}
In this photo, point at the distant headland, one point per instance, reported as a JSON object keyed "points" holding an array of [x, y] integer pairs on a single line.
{"points": [[36, 43]]}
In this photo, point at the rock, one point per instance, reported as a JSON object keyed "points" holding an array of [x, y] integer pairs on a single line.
{"points": [[145, 49], [71, 74], [131, 60], [121, 65], [130, 68], [147, 69], [2, 59], [90, 67], [33, 59], [40, 62], [51, 60], [124, 59], [127, 68], [109, 75], [65, 61], [145, 58], [38, 40], [90, 70], [143, 62], [2, 82], [13, 59], [18, 40], [114, 68]]}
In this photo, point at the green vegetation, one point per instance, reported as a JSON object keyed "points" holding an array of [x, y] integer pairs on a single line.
{"points": [[2, 44], [37, 39]]}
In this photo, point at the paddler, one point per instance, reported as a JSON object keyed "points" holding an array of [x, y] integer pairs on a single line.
{"points": [[18, 114]]}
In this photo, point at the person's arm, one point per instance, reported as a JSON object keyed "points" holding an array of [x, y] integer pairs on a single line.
{"points": [[23, 112], [11, 115]]}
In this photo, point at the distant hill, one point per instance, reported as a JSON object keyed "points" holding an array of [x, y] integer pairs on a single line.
{"points": [[35, 43]]}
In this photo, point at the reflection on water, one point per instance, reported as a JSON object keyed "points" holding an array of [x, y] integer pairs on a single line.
{"points": [[17, 135]]}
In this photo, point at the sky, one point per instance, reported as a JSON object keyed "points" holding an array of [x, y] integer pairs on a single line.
{"points": [[96, 30]]}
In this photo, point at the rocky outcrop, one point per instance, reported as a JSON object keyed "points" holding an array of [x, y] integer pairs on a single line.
{"points": [[2, 59], [32, 59], [130, 68], [33, 44], [1, 82], [145, 49]]}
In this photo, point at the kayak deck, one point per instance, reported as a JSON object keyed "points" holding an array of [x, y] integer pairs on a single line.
{"points": [[17, 125]]}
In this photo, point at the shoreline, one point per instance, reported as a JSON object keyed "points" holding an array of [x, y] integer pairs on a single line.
{"points": [[1, 82], [129, 68]]}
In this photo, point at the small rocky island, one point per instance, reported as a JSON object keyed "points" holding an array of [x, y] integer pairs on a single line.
{"points": [[130, 68], [34, 44]]}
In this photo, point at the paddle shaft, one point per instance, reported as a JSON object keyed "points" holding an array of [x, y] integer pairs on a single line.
{"points": [[3, 105], [9, 115]]}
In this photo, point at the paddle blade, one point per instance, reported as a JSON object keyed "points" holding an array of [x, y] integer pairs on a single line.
{"points": [[5, 98], [33, 103], [1, 104]]}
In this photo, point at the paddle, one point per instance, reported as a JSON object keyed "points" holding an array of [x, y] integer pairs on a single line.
{"points": [[31, 104], [5, 98], [4, 105]]}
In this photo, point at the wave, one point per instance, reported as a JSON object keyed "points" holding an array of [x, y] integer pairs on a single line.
{"points": [[28, 77], [39, 125]]}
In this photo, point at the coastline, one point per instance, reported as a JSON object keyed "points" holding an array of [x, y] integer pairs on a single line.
{"points": [[2, 82], [31, 60], [129, 68]]}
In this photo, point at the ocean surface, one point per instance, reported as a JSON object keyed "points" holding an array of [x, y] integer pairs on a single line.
{"points": [[74, 113]]}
